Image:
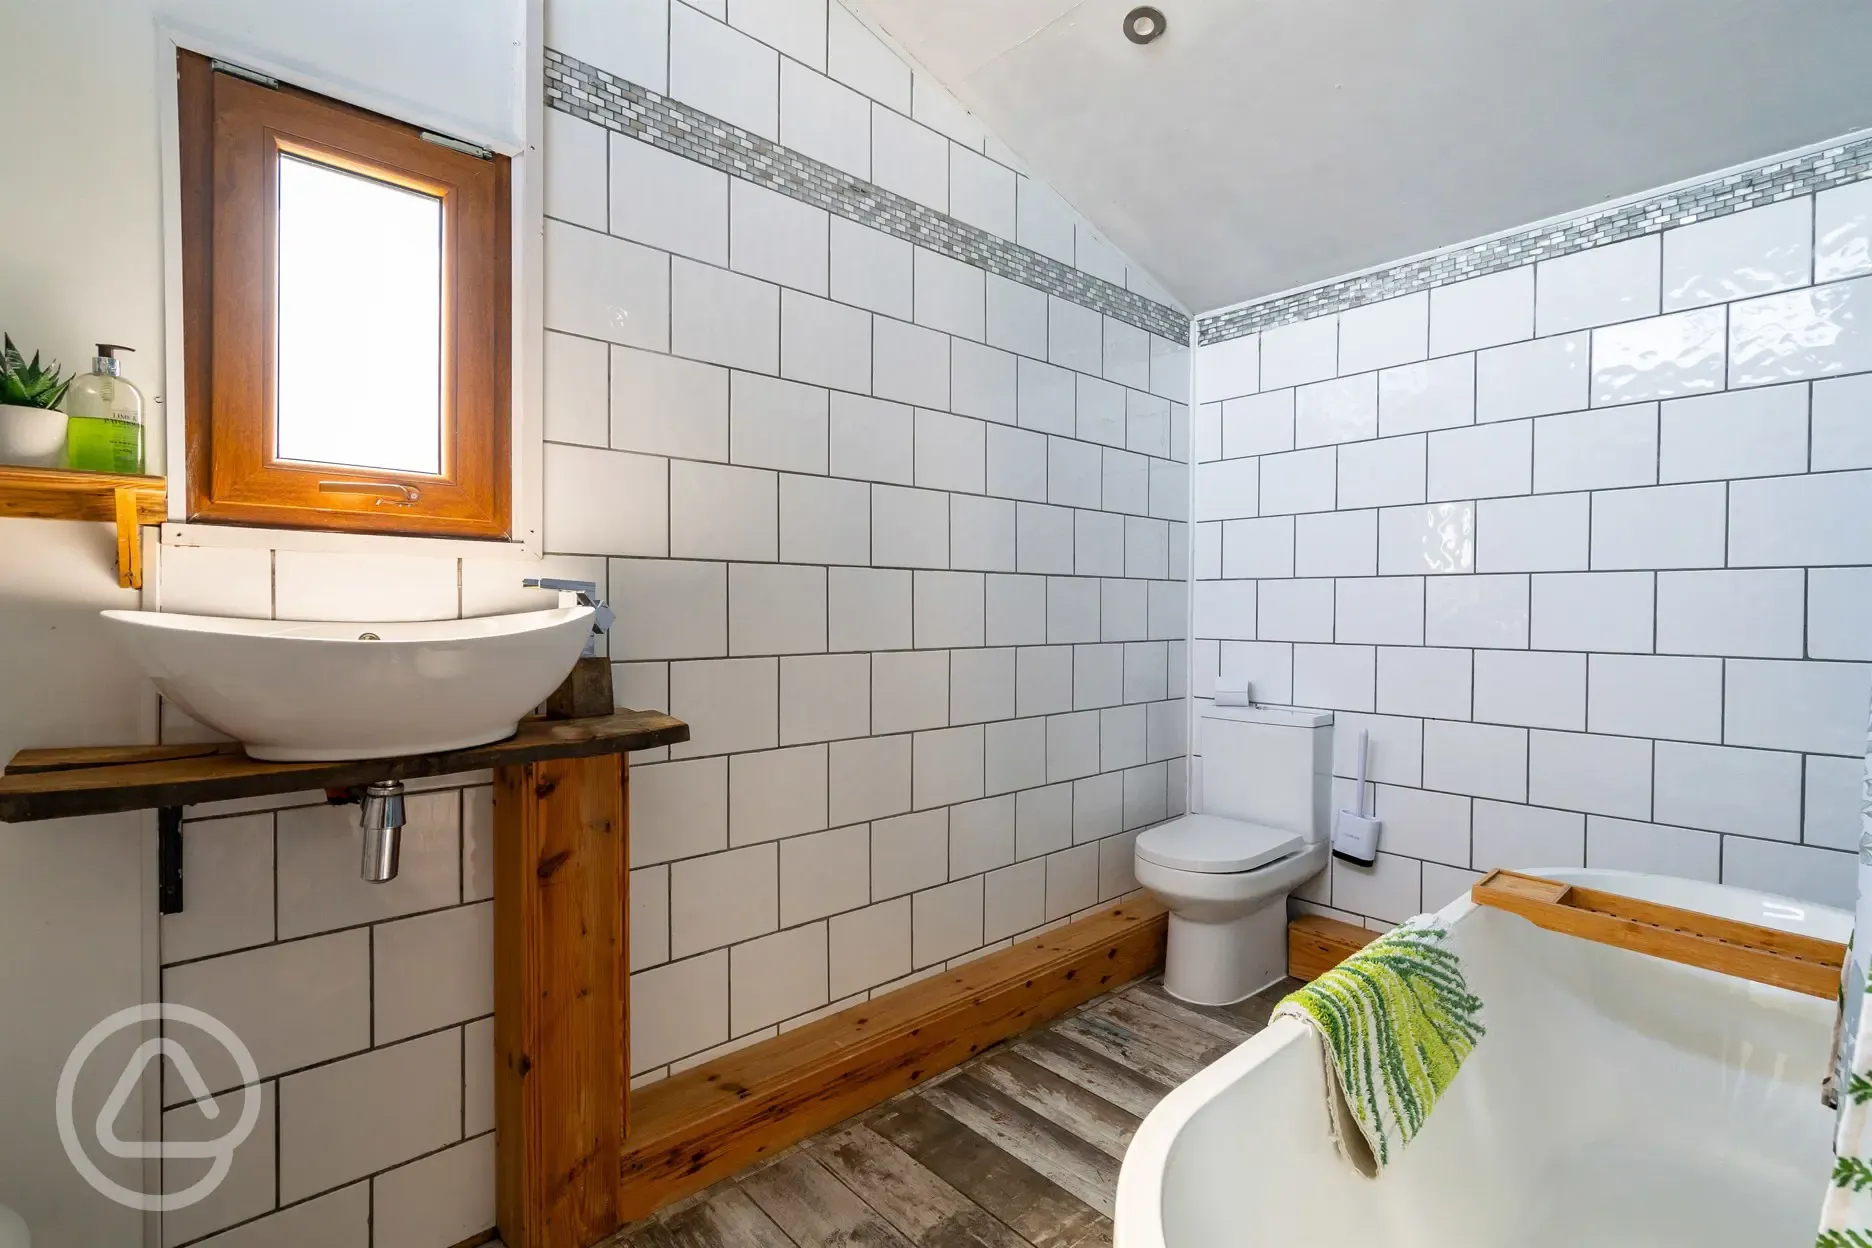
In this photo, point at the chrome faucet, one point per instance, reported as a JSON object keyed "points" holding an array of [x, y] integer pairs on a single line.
{"points": [[579, 594]]}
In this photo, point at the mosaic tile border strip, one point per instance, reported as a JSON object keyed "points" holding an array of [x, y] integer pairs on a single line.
{"points": [[1717, 197], [592, 94]]}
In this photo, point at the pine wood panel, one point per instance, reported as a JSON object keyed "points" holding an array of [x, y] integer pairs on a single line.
{"points": [[65, 494], [129, 502], [124, 509], [1748, 951], [53, 784], [1316, 944], [561, 997], [727, 1114]]}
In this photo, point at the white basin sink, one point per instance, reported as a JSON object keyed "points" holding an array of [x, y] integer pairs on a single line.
{"points": [[307, 692]]}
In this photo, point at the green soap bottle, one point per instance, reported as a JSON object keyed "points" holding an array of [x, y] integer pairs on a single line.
{"points": [[104, 432]]}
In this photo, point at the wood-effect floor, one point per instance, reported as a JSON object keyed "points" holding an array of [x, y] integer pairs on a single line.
{"points": [[1019, 1148]]}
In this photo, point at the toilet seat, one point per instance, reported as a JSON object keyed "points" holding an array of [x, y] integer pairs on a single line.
{"points": [[1213, 845]]}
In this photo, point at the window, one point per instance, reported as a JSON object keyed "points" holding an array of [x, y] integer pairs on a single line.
{"points": [[346, 316]]}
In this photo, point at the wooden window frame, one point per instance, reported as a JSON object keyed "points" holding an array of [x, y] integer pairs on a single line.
{"points": [[233, 133]]}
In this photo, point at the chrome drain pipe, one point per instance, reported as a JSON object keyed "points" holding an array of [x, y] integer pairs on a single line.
{"points": [[381, 817]]}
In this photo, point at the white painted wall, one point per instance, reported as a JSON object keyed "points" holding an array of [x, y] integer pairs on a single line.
{"points": [[458, 68], [81, 260], [73, 902], [1586, 545]]}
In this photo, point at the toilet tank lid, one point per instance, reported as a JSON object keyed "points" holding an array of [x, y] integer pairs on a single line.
{"points": [[1212, 845], [1282, 716]]}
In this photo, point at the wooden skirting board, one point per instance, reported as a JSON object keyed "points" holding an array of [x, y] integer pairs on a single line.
{"points": [[1316, 944], [688, 1131]]}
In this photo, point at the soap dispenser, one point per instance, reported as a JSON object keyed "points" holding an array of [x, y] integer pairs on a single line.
{"points": [[105, 431]]}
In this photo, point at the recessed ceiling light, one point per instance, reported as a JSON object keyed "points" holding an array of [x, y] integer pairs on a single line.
{"points": [[1143, 24]]}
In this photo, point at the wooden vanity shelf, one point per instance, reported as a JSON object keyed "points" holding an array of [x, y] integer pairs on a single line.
{"points": [[60, 494], [102, 780], [561, 865], [1764, 955]]}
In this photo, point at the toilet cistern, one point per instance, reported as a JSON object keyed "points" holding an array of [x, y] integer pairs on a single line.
{"points": [[1224, 873]]}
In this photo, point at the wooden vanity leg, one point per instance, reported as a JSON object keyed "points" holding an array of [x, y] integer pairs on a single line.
{"points": [[561, 998]]}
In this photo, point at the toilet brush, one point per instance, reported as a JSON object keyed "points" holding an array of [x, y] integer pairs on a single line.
{"points": [[1355, 833]]}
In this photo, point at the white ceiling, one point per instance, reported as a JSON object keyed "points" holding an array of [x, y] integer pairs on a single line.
{"points": [[1261, 145]]}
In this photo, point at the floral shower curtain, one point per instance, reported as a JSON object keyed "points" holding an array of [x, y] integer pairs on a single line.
{"points": [[1846, 1218]]}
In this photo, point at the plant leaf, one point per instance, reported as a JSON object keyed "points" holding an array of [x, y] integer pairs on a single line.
{"points": [[29, 385]]}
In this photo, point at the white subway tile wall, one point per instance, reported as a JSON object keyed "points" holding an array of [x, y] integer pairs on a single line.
{"points": [[921, 547], [1620, 567]]}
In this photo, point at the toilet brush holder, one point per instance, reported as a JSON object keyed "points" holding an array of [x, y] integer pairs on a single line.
{"points": [[1355, 832]]}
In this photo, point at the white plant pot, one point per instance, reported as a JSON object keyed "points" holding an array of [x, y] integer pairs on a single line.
{"points": [[32, 436]]}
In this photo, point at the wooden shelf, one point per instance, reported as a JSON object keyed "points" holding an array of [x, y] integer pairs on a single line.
{"points": [[1749, 951], [56, 784], [129, 502]]}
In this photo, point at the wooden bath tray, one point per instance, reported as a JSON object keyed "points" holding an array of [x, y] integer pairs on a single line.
{"points": [[1765, 955]]}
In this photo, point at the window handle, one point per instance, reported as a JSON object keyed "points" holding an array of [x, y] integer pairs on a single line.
{"points": [[386, 493]]}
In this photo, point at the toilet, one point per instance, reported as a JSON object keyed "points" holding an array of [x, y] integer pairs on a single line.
{"points": [[1224, 874]]}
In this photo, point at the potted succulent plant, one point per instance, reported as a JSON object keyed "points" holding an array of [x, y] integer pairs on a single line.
{"points": [[32, 429]]}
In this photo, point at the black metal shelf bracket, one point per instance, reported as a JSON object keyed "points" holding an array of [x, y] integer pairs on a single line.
{"points": [[169, 859]]}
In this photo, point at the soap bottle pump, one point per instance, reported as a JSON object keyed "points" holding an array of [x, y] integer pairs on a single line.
{"points": [[104, 432]]}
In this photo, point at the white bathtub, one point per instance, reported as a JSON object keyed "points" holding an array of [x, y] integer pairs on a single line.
{"points": [[1617, 1101]]}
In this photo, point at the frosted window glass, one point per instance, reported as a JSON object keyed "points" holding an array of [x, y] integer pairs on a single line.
{"points": [[360, 321]]}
